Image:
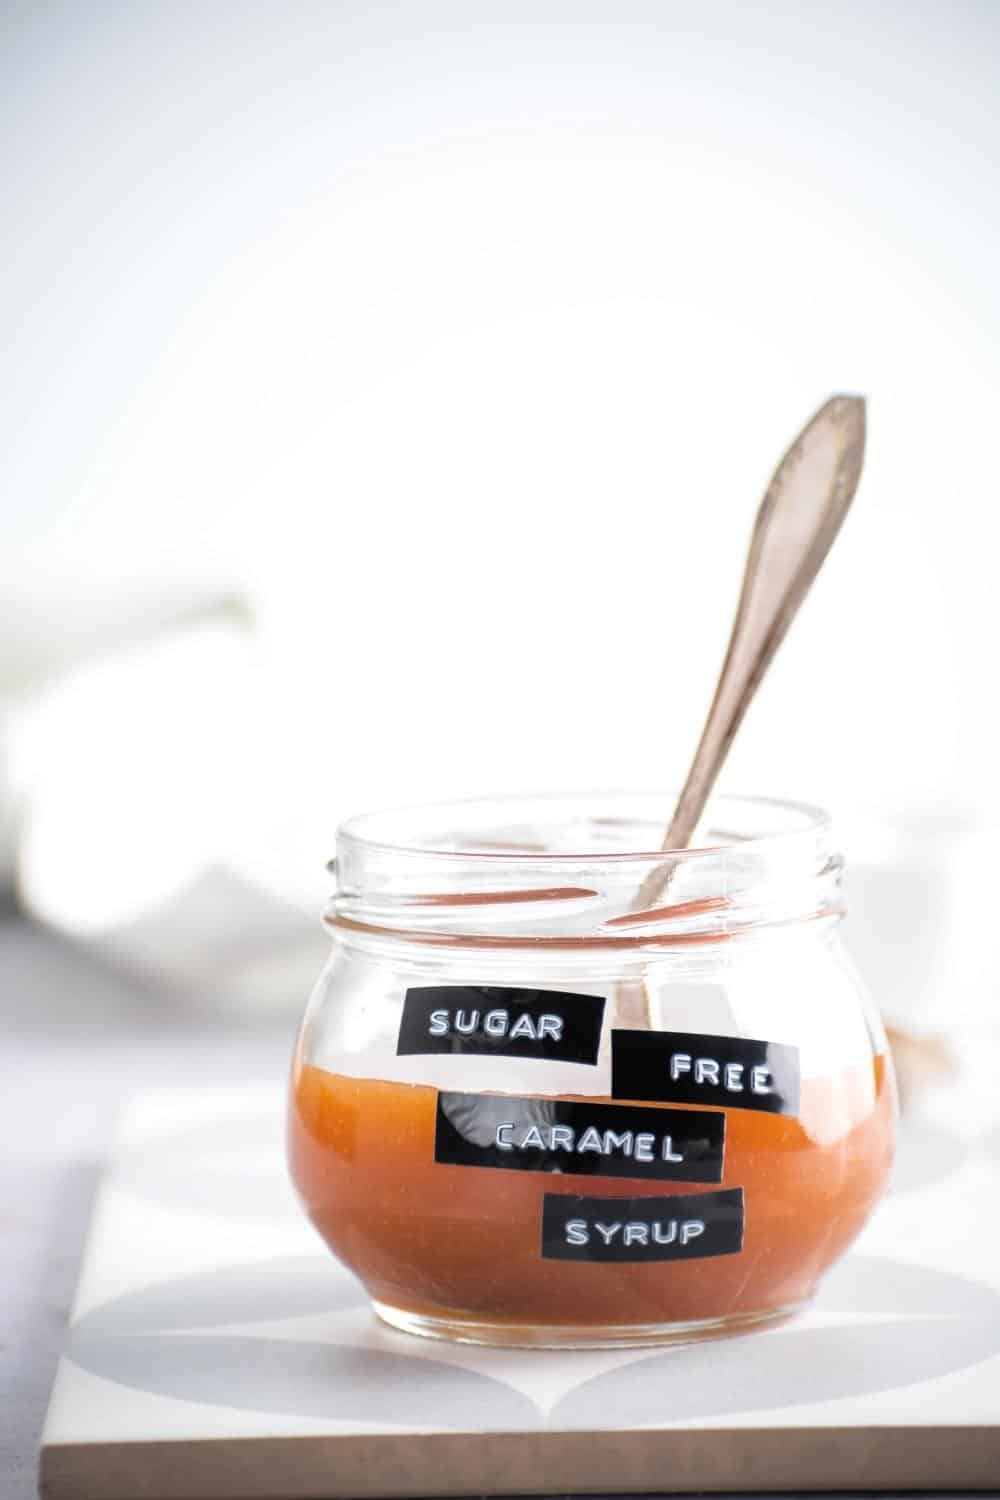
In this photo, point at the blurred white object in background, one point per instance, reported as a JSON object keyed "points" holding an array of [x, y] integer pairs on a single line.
{"points": [[920, 922], [8, 822], [60, 615], [139, 774], [922, 928]]}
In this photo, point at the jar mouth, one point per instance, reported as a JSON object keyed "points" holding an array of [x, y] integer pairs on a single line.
{"points": [[484, 828], [572, 869]]}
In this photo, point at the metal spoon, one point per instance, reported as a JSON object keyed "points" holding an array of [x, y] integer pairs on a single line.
{"points": [[799, 517]]}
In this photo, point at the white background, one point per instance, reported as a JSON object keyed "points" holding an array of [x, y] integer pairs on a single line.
{"points": [[462, 339]]}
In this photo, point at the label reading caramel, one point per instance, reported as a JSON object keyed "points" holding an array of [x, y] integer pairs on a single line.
{"points": [[687, 1226], [498, 1021], [579, 1138], [684, 1067]]}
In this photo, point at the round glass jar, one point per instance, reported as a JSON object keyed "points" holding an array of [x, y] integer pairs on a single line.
{"points": [[524, 1112]]}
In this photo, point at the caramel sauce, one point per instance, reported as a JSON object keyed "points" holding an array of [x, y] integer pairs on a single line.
{"points": [[440, 1241]]}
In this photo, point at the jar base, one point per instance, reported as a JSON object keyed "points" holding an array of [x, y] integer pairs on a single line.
{"points": [[576, 1336]]}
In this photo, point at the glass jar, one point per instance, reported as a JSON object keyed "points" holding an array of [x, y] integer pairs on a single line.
{"points": [[525, 1112]]}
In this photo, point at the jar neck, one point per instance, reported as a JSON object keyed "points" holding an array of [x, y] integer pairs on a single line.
{"points": [[503, 875]]}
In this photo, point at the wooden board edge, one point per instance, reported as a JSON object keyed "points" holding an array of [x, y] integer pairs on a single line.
{"points": [[399, 1466]]}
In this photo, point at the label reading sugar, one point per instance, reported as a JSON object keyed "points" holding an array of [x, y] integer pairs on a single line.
{"points": [[686, 1226], [579, 1138], [491, 1020], [685, 1067]]}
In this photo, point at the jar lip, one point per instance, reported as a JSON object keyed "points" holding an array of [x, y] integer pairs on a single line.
{"points": [[803, 820]]}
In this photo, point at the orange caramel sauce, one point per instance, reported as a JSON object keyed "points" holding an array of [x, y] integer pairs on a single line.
{"points": [[464, 1242]]}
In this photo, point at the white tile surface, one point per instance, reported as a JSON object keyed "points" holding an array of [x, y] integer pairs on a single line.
{"points": [[208, 1310]]}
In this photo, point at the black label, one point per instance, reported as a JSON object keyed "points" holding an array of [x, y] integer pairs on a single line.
{"points": [[583, 1139], [684, 1067], [687, 1226], [497, 1021]]}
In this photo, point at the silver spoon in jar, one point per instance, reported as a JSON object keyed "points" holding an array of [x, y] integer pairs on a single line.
{"points": [[802, 511]]}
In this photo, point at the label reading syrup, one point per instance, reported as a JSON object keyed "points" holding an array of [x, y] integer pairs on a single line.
{"points": [[579, 1138], [688, 1226], [498, 1021], [684, 1067]]}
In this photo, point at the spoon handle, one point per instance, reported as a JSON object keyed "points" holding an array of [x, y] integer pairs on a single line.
{"points": [[799, 517]]}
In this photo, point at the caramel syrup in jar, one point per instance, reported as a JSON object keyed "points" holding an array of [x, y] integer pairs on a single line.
{"points": [[449, 1242]]}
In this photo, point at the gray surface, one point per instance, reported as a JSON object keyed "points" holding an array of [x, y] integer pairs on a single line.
{"points": [[75, 1041]]}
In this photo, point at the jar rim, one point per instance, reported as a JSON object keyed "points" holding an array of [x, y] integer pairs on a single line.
{"points": [[803, 820], [581, 868]]}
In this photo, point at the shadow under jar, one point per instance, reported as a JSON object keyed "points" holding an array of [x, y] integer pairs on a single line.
{"points": [[524, 1113]]}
